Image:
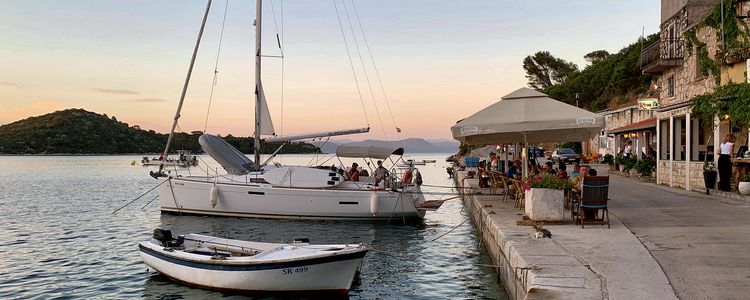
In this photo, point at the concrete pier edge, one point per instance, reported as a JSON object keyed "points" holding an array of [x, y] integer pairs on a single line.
{"points": [[545, 268]]}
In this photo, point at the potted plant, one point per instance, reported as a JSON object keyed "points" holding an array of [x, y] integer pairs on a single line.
{"points": [[744, 186], [709, 175], [545, 197], [609, 160]]}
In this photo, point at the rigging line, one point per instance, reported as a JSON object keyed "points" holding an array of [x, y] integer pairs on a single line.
{"points": [[216, 66], [364, 70], [375, 67], [351, 64], [280, 43]]}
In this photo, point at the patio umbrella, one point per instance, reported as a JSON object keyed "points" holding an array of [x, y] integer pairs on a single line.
{"points": [[529, 116]]}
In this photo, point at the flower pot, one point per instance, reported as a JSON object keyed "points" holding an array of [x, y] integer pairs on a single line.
{"points": [[709, 179], [545, 204], [744, 187]]}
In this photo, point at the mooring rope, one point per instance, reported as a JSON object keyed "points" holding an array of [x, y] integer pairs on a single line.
{"points": [[139, 197]]}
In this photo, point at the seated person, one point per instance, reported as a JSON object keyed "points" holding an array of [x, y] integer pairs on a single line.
{"points": [[548, 168], [576, 171], [514, 171], [380, 173], [353, 172], [363, 172], [562, 172]]}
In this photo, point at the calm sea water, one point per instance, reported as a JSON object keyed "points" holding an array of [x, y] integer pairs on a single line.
{"points": [[59, 238]]}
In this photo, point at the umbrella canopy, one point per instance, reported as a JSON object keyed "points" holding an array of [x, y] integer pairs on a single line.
{"points": [[527, 113]]}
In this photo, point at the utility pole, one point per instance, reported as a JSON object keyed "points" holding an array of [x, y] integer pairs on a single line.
{"points": [[577, 100]]}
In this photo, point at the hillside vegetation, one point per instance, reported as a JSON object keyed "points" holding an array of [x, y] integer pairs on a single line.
{"points": [[77, 131], [609, 81]]}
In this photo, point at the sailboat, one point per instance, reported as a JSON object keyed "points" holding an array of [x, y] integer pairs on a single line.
{"points": [[269, 190]]}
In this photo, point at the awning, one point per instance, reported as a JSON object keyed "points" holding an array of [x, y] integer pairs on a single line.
{"points": [[368, 149], [645, 124]]}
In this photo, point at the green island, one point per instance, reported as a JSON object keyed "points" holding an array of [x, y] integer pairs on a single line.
{"points": [[78, 131]]}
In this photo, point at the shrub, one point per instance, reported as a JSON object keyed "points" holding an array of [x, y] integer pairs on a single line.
{"points": [[628, 163], [645, 166], [547, 181], [608, 159]]}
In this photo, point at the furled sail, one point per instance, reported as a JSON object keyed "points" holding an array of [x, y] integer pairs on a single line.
{"points": [[266, 124], [226, 155]]}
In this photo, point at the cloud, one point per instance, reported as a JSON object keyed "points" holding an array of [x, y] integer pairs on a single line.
{"points": [[149, 100], [114, 91], [5, 83], [47, 106]]}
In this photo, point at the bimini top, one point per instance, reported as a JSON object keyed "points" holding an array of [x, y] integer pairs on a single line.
{"points": [[369, 149]]}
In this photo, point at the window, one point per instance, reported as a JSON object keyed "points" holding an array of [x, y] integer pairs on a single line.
{"points": [[664, 150], [670, 86], [679, 138], [701, 143]]}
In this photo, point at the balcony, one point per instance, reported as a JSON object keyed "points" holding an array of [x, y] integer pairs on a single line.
{"points": [[662, 55]]}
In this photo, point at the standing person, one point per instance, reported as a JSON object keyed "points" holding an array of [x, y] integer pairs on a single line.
{"points": [[628, 149], [380, 173], [725, 162]]}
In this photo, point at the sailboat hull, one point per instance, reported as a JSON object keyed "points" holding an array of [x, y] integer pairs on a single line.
{"points": [[193, 196]]}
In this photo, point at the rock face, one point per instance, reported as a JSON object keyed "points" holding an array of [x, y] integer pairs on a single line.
{"points": [[545, 204]]}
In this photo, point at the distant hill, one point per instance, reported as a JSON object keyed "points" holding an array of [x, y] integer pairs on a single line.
{"points": [[411, 145], [77, 131]]}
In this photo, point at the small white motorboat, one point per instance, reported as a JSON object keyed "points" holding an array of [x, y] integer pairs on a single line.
{"points": [[253, 267]]}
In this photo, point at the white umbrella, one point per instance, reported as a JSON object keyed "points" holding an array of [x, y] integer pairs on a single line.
{"points": [[529, 116]]}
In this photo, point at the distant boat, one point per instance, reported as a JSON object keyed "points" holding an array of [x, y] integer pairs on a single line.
{"points": [[253, 267], [411, 162], [185, 159]]}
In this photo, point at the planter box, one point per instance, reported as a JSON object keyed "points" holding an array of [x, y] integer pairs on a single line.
{"points": [[743, 187], [545, 204]]}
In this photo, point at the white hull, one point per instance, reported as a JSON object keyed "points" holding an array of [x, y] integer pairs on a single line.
{"points": [[288, 268], [193, 195]]}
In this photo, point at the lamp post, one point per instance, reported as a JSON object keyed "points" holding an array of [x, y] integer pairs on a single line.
{"points": [[577, 100]]}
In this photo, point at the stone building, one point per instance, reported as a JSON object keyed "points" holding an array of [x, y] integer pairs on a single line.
{"points": [[629, 124], [685, 142]]}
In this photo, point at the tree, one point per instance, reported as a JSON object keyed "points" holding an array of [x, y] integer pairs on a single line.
{"points": [[544, 70], [596, 56]]}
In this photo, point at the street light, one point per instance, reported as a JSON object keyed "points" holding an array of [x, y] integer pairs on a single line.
{"points": [[577, 100]]}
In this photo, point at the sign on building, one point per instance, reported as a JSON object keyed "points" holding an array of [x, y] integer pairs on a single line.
{"points": [[648, 103]]}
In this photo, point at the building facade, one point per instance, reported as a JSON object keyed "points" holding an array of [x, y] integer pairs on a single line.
{"points": [[679, 59]]}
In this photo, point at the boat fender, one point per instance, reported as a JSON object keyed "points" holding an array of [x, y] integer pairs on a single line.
{"points": [[214, 195], [374, 203]]}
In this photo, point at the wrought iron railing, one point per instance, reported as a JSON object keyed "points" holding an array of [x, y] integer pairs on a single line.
{"points": [[664, 49]]}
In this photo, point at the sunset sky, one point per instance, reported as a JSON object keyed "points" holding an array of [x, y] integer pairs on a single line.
{"points": [[439, 61]]}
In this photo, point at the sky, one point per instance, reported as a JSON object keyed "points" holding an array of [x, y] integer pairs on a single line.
{"points": [[438, 61]]}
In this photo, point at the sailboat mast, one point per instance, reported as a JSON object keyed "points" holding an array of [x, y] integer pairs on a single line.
{"points": [[258, 23]]}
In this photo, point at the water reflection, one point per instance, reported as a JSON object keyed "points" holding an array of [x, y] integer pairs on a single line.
{"points": [[60, 238]]}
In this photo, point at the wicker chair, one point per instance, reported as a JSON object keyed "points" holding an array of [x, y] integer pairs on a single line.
{"points": [[519, 193], [594, 196]]}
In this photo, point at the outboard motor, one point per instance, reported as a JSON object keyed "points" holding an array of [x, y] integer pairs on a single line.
{"points": [[164, 236]]}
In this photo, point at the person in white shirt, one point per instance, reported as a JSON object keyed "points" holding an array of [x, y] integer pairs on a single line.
{"points": [[628, 149], [725, 162]]}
